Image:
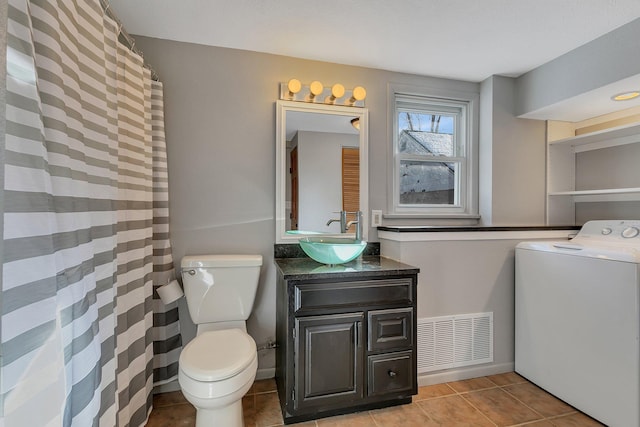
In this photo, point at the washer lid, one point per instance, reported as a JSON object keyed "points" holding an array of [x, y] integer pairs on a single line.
{"points": [[577, 247], [217, 355]]}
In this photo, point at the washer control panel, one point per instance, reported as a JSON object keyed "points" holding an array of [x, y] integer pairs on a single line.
{"points": [[611, 231], [630, 232]]}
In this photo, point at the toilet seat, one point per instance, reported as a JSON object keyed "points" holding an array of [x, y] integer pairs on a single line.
{"points": [[217, 355]]}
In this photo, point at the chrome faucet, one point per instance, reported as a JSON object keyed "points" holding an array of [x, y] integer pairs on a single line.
{"points": [[342, 220], [358, 222]]}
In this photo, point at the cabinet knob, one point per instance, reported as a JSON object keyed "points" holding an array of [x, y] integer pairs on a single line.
{"points": [[391, 373]]}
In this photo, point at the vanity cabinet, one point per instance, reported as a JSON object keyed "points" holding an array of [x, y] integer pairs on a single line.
{"points": [[346, 337]]}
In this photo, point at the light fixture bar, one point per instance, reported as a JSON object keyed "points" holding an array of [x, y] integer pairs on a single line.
{"points": [[316, 93]]}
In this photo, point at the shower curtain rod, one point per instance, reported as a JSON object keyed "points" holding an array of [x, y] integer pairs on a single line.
{"points": [[128, 41]]}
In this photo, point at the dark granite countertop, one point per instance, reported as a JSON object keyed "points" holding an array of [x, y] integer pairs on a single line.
{"points": [[437, 228], [306, 268]]}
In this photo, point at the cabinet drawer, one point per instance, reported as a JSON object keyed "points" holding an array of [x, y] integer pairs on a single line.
{"points": [[389, 373], [389, 329], [312, 296]]}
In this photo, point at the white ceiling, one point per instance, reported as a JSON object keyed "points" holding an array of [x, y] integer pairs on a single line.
{"points": [[459, 39]]}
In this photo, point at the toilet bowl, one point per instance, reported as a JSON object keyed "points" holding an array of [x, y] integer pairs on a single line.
{"points": [[217, 368]]}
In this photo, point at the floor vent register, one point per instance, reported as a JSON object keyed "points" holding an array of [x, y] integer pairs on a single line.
{"points": [[453, 341]]}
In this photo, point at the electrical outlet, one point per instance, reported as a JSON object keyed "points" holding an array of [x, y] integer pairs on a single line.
{"points": [[376, 218]]}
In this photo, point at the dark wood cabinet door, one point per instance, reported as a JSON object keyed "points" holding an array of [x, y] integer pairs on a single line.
{"points": [[328, 361]]}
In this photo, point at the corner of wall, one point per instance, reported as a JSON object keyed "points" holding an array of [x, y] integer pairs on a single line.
{"points": [[485, 152]]}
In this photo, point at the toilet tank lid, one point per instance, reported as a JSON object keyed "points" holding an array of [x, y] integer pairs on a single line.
{"points": [[221, 261]]}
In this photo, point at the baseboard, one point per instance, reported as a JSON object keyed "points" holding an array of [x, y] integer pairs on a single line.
{"points": [[265, 373], [459, 374]]}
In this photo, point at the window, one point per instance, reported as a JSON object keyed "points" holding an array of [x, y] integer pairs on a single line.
{"points": [[433, 147]]}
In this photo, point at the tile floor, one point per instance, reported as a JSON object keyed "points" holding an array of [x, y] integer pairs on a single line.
{"points": [[497, 400]]}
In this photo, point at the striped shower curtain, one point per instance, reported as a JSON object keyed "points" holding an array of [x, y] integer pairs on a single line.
{"points": [[85, 224]]}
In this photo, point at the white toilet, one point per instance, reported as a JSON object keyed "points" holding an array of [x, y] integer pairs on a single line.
{"points": [[218, 366]]}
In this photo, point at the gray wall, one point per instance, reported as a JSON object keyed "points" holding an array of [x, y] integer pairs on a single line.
{"points": [[484, 284], [220, 125], [609, 58], [512, 159], [615, 167]]}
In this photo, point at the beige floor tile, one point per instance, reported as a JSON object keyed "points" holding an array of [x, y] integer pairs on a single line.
{"points": [[453, 411], [506, 399], [431, 391], [543, 423], [575, 420], [539, 400], [171, 398], [267, 409], [249, 410], [500, 407], [183, 415], [507, 378], [471, 384], [401, 416], [360, 419]]}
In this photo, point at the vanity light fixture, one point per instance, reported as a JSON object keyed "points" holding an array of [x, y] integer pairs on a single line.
{"points": [[625, 96], [294, 87], [317, 93], [337, 91], [315, 89], [358, 94], [356, 123]]}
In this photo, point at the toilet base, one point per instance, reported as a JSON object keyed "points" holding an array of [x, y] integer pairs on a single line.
{"points": [[228, 416], [222, 410]]}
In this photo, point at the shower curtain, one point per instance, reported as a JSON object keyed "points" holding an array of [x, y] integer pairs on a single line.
{"points": [[85, 223]]}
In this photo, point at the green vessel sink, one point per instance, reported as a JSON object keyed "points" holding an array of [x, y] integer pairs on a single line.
{"points": [[332, 250]]}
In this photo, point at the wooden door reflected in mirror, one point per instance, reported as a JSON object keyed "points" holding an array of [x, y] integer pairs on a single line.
{"points": [[351, 183], [294, 189]]}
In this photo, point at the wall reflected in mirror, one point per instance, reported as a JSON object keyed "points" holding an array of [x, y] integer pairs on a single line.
{"points": [[322, 169], [324, 172]]}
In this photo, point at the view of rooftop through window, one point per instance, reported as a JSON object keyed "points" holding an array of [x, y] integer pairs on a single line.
{"points": [[423, 136], [435, 123]]}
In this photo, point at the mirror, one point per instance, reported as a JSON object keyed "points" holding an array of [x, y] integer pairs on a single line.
{"points": [[321, 169]]}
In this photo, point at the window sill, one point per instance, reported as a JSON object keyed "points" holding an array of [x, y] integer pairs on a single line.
{"points": [[430, 216]]}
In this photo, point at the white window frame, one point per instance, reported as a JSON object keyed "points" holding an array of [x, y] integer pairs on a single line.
{"points": [[422, 99]]}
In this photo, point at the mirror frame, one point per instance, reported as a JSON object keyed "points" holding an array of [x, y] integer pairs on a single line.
{"points": [[282, 107]]}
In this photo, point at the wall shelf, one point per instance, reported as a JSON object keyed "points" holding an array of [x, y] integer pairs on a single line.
{"points": [[561, 172], [621, 135], [604, 195]]}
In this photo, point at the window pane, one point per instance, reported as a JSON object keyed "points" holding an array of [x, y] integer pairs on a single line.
{"points": [[426, 134], [427, 183]]}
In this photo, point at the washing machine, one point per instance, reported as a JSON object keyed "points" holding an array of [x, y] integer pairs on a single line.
{"points": [[577, 319]]}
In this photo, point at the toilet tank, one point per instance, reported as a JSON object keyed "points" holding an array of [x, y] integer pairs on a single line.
{"points": [[220, 288]]}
